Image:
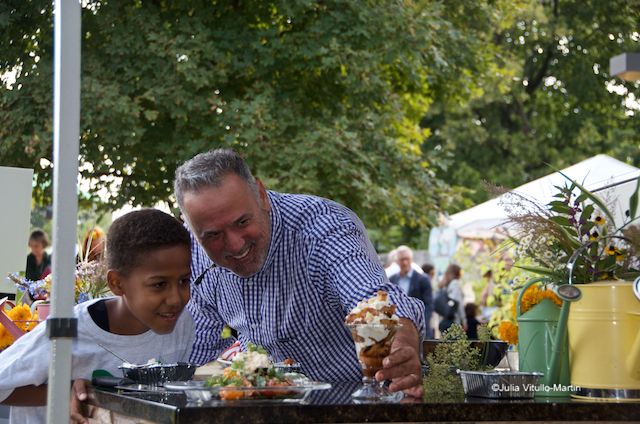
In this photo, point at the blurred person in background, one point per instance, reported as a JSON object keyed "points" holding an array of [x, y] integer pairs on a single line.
{"points": [[471, 312], [92, 248], [413, 283], [451, 284], [38, 261]]}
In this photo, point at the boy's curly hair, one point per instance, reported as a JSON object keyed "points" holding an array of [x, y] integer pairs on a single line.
{"points": [[139, 232]]}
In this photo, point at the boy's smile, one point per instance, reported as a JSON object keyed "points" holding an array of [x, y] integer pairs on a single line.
{"points": [[153, 294]]}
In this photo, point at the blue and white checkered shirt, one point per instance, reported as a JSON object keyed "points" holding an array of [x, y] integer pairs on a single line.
{"points": [[319, 266]]}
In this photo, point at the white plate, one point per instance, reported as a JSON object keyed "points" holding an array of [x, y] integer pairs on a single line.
{"points": [[196, 390], [142, 388]]}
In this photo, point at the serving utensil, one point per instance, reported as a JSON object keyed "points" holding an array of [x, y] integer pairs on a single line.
{"points": [[112, 352]]}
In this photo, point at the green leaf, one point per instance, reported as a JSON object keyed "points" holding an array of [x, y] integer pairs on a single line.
{"points": [[595, 199], [563, 221], [586, 213], [559, 207]]}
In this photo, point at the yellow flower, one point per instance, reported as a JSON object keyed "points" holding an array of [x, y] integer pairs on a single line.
{"points": [[531, 297], [508, 331], [6, 339], [611, 250], [600, 220], [21, 315], [593, 236]]}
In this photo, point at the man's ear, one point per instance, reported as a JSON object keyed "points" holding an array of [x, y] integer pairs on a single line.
{"points": [[114, 280], [262, 192]]}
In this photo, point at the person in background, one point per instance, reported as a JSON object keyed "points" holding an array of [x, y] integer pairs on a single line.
{"points": [[38, 261], [429, 270], [414, 284], [284, 270], [392, 268], [451, 282], [92, 248], [488, 288], [149, 272], [471, 312]]}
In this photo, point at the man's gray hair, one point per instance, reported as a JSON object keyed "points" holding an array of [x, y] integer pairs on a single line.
{"points": [[208, 170], [404, 249]]}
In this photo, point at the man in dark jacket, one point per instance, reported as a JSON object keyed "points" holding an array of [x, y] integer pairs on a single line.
{"points": [[414, 284]]}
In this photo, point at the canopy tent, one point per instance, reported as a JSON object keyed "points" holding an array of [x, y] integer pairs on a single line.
{"points": [[598, 173]]}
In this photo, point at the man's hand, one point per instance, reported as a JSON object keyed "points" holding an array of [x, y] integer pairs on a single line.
{"points": [[81, 390], [403, 366]]}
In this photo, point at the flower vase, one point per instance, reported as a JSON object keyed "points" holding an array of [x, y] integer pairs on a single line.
{"points": [[543, 347], [43, 310], [604, 342]]}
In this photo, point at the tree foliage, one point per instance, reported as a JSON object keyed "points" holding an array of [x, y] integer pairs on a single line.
{"points": [[546, 97], [393, 108], [321, 97]]}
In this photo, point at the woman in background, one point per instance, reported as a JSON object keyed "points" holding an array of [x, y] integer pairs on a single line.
{"points": [[451, 283], [38, 261]]}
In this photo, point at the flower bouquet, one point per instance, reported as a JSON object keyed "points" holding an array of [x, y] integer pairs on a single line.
{"points": [[575, 238], [581, 238], [91, 283], [533, 295], [22, 318]]}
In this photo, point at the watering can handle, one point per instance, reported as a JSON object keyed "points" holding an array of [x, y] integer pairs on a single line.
{"points": [[524, 289]]}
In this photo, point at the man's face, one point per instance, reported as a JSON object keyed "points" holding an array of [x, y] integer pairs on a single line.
{"points": [[404, 262], [155, 291], [232, 224]]}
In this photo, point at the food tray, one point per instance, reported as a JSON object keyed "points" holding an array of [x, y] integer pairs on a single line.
{"points": [[157, 374], [197, 392], [500, 384]]}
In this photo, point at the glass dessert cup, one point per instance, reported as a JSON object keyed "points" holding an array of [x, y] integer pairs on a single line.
{"points": [[373, 344]]}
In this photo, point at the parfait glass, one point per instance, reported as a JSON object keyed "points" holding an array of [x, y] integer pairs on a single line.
{"points": [[373, 343]]}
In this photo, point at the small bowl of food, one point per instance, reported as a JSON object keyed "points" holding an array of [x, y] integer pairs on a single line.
{"points": [[155, 373]]}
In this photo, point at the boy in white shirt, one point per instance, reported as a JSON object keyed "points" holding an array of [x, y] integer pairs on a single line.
{"points": [[148, 261]]}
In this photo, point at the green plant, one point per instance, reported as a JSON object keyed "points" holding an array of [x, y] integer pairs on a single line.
{"points": [[442, 382], [576, 235]]}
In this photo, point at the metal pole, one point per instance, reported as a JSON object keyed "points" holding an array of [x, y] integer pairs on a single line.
{"points": [[61, 326]]}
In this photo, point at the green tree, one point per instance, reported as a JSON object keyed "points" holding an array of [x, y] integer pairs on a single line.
{"points": [[545, 99], [322, 97]]}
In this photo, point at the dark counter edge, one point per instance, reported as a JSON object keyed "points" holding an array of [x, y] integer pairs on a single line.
{"points": [[409, 412]]}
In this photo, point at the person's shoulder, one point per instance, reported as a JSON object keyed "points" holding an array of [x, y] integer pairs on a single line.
{"points": [[303, 212], [422, 277]]}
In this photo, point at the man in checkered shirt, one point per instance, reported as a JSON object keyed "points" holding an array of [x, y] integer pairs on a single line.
{"points": [[284, 270]]}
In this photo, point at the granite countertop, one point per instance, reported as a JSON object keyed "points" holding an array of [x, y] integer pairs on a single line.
{"points": [[336, 405]]}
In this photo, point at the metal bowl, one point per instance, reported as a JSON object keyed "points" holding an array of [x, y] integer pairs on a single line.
{"points": [[500, 384], [158, 374]]}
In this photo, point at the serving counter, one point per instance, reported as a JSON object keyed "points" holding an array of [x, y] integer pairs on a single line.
{"points": [[336, 405]]}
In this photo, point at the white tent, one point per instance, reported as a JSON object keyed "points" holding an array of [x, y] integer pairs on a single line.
{"points": [[598, 173]]}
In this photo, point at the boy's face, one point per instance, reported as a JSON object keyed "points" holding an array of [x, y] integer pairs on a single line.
{"points": [[156, 291]]}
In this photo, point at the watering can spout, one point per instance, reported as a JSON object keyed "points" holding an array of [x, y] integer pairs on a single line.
{"points": [[558, 342]]}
